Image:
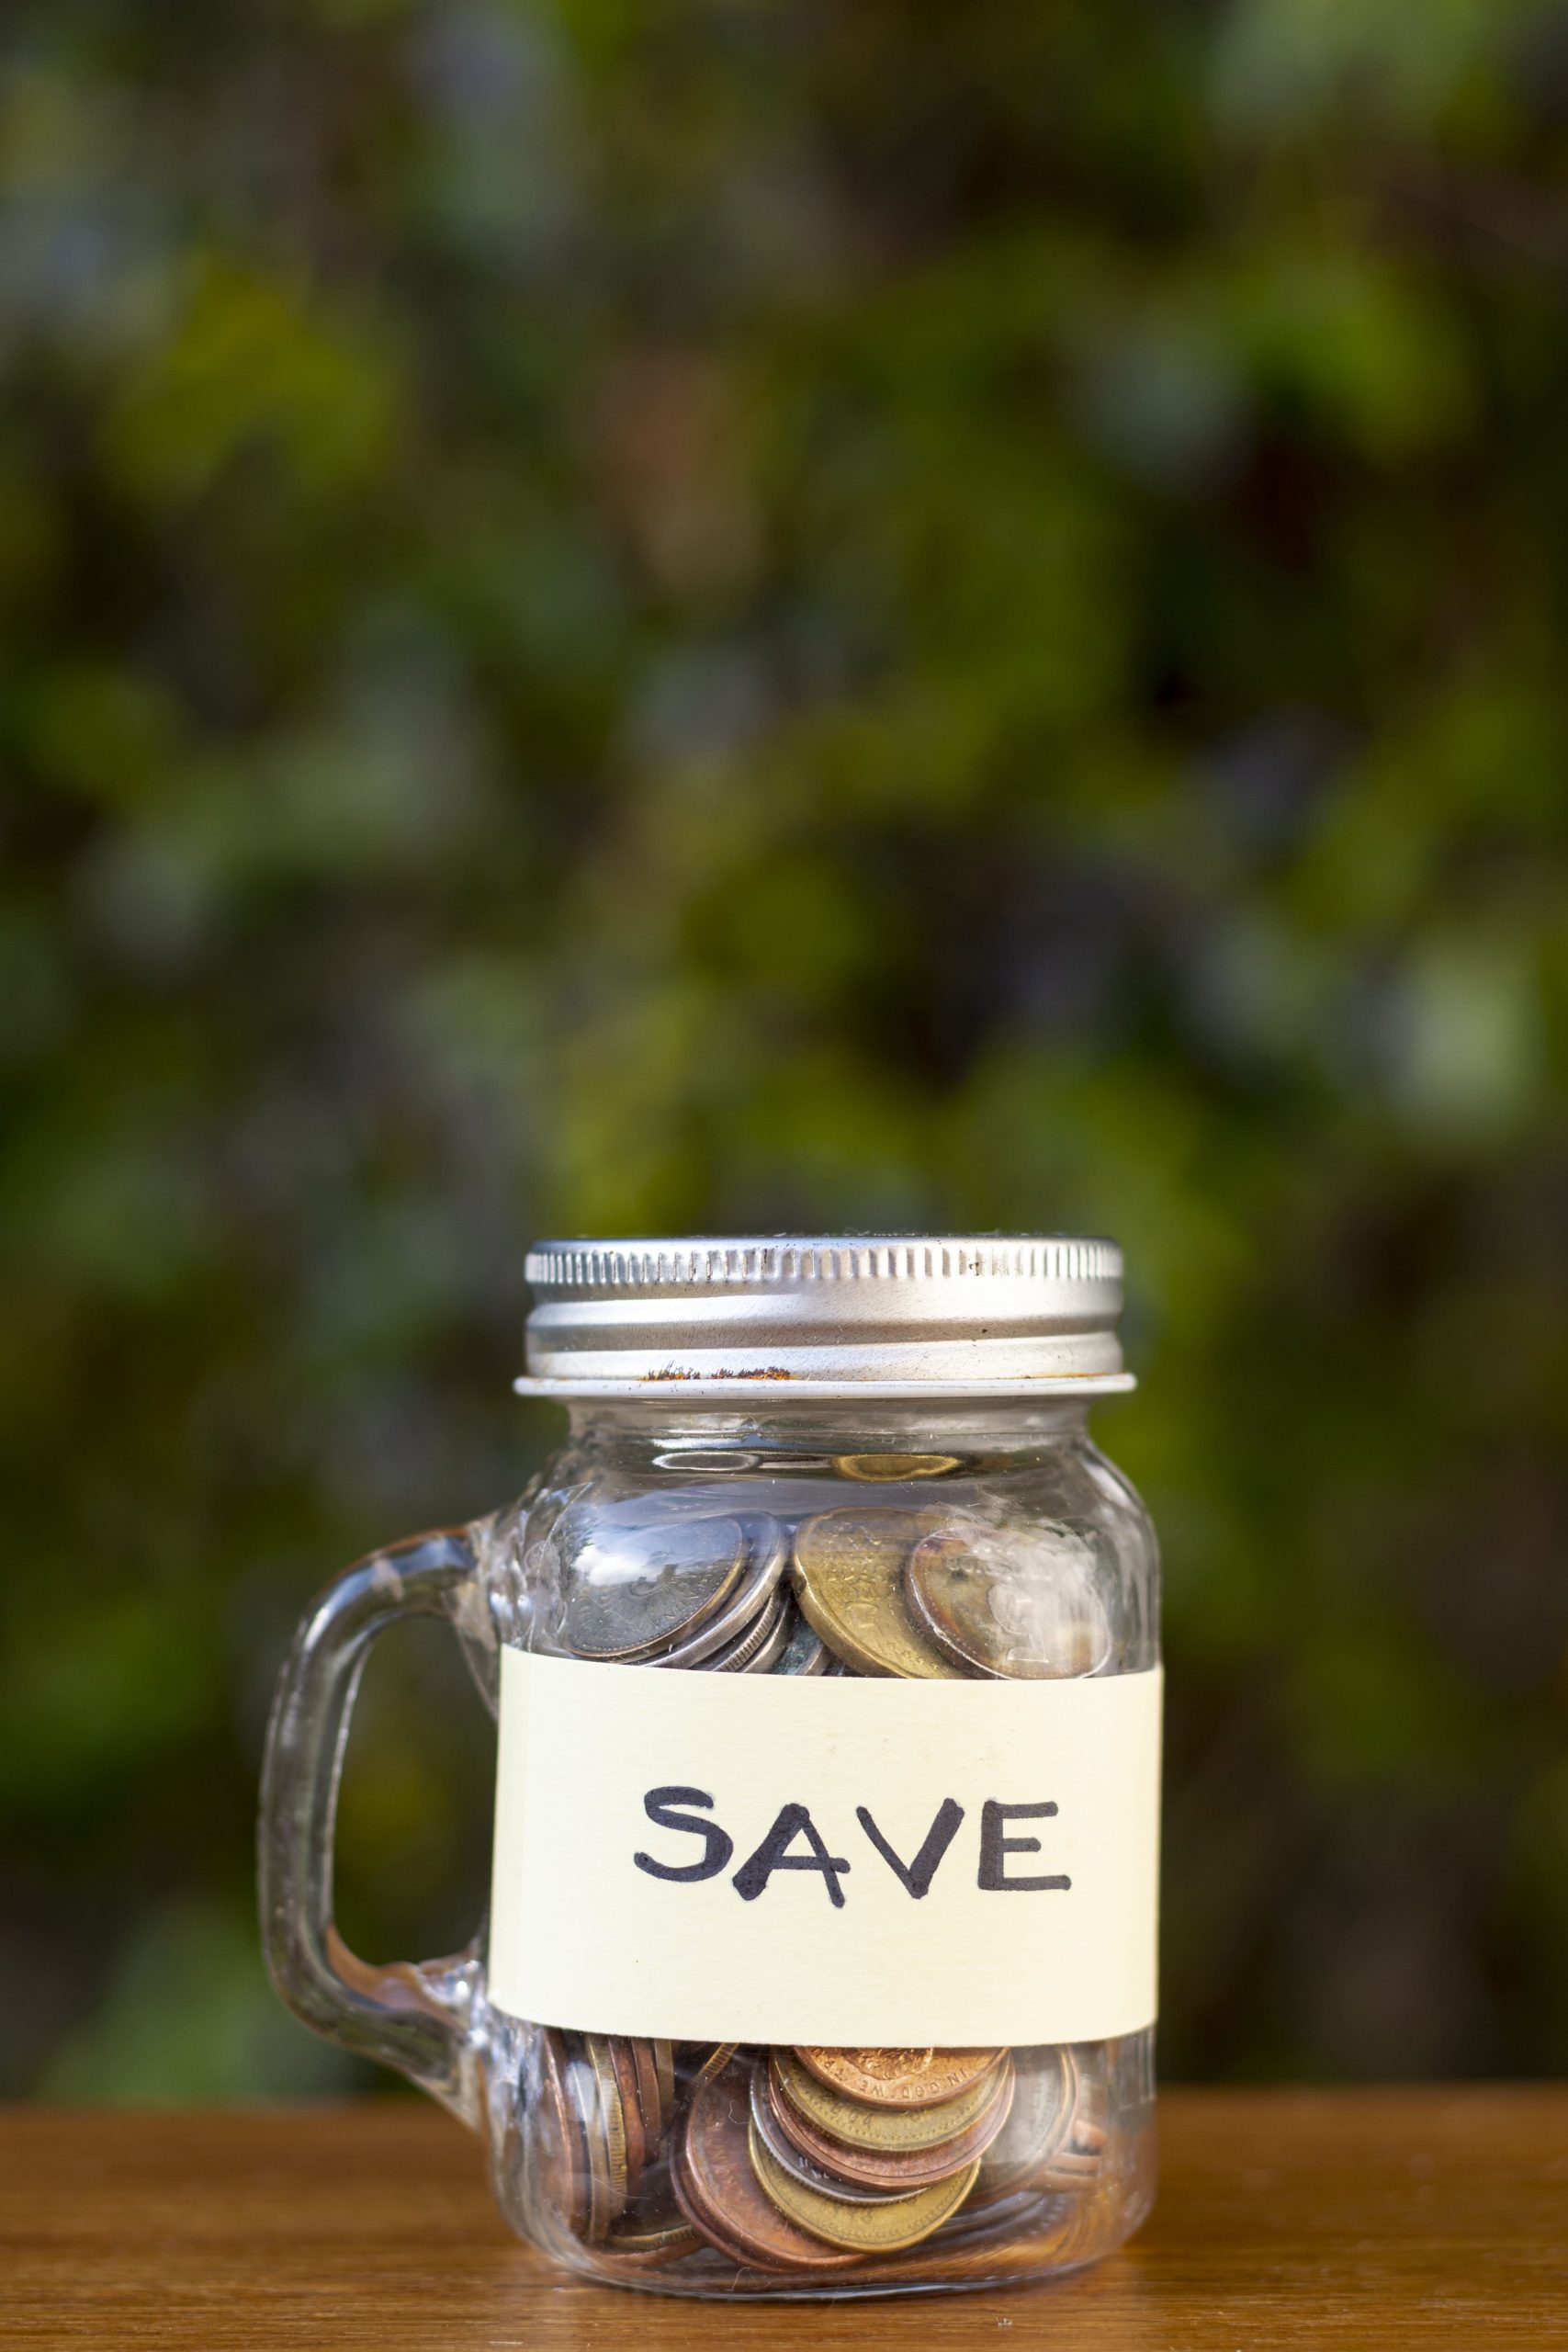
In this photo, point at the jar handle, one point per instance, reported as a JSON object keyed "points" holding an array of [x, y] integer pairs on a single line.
{"points": [[420, 2017]]}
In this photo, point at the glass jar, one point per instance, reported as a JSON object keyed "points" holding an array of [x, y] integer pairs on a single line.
{"points": [[820, 1962]]}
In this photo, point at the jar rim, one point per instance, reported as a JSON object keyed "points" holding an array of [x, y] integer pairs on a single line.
{"points": [[673, 1387]]}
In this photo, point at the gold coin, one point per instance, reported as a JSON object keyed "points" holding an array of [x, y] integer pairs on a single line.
{"points": [[619, 2051], [847, 1577], [892, 2171], [880, 1468], [898, 2077], [882, 2127], [718, 2057], [860, 2229]]}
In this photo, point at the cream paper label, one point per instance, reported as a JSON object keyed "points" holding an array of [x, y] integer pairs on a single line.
{"points": [[832, 1860]]}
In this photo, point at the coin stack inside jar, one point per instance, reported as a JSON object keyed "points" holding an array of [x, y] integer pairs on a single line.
{"points": [[787, 2160]]}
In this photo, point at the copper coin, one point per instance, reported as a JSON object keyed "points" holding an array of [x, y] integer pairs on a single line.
{"points": [[563, 2156], [664, 2074], [770, 2130], [900, 2169], [898, 2077], [719, 2192], [1009, 1602]]}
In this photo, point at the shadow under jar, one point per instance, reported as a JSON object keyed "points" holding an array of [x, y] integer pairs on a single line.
{"points": [[820, 1954]]}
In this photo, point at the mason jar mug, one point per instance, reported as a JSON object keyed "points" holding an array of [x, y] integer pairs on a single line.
{"points": [[820, 1955]]}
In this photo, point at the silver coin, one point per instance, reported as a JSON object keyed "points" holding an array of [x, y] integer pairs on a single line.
{"points": [[1080, 2155], [750, 1652], [1010, 1601], [804, 1650], [1044, 2099], [741, 1603], [767, 1657], [631, 1591]]}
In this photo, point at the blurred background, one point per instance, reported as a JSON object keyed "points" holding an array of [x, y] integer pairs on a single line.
{"points": [[766, 616]]}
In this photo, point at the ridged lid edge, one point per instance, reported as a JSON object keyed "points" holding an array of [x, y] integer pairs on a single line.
{"points": [[790, 1258]]}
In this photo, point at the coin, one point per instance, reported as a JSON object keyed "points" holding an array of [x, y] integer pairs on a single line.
{"points": [[770, 2129], [663, 2054], [882, 2128], [1084, 2226], [879, 1468], [563, 2157], [650, 2098], [1041, 2114], [1010, 1603], [767, 1552], [768, 1658], [753, 1650], [804, 1652], [592, 2084], [630, 1590], [619, 2053], [1001, 2218], [883, 2228], [718, 2189], [1080, 2155], [665, 2237], [895, 2169], [714, 2059], [848, 1579], [898, 2077], [1047, 2233], [1015, 2243]]}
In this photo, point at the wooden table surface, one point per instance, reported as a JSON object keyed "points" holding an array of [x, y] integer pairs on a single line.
{"points": [[1382, 2218]]}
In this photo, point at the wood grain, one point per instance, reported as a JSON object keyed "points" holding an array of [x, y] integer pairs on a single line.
{"points": [[1381, 2219]]}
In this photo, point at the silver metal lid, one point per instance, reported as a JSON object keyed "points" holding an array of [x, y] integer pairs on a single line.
{"points": [[815, 1314]]}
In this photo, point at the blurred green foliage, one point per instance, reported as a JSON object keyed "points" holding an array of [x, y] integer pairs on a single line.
{"points": [[745, 616]]}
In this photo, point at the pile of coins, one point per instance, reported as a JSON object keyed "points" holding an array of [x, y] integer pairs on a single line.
{"points": [[810, 2159], [709, 1592], [913, 1592], [608, 2104], [789, 2160]]}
